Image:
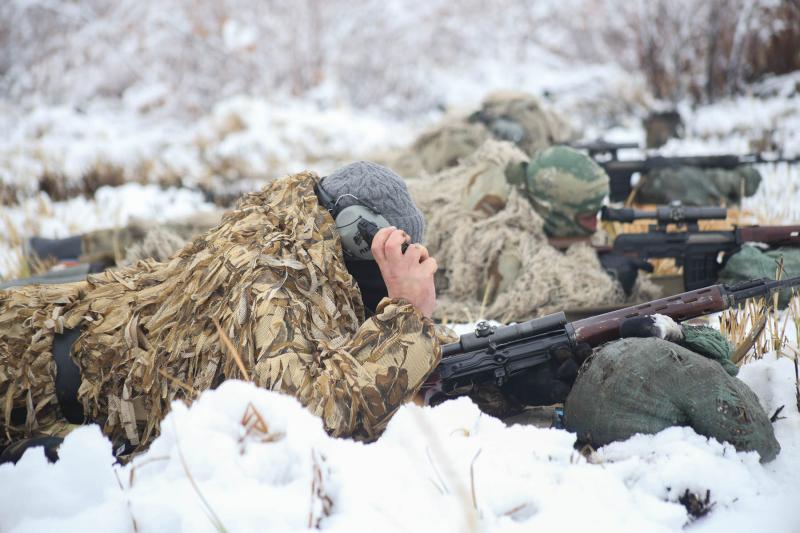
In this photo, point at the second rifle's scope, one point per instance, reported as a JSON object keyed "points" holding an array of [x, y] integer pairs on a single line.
{"points": [[665, 214], [485, 335]]}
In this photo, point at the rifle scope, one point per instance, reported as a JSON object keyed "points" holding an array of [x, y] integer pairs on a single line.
{"points": [[665, 214]]}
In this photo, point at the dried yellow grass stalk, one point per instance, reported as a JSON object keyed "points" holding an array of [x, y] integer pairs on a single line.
{"points": [[234, 353]]}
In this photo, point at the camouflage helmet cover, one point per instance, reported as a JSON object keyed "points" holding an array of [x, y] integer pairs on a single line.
{"points": [[567, 189]]}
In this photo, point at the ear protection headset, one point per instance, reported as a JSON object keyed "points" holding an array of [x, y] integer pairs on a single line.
{"points": [[357, 224]]}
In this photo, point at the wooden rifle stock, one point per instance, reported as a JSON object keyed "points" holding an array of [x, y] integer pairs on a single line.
{"points": [[599, 329], [772, 235]]}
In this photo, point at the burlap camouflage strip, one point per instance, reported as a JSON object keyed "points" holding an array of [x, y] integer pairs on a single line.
{"points": [[273, 274]]}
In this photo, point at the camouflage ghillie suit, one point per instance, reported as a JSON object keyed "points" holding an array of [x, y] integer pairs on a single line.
{"points": [[520, 118], [505, 116], [440, 148], [272, 273], [697, 186], [492, 249], [645, 385], [122, 246]]}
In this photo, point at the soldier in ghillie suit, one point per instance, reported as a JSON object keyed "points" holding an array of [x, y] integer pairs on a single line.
{"points": [[518, 243], [94, 251], [511, 116], [566, 188], [275, 277]]}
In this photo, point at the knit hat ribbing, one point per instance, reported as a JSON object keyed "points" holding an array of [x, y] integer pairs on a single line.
{"points": [[380, 188]]}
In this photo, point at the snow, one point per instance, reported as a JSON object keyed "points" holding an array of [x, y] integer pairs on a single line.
{"points": [[239, 138], [446, 468]]}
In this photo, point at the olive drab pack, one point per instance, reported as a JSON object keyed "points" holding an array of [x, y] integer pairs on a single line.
{"points": [[272, 274], [683, 388], [697, 186], [566, 188]]}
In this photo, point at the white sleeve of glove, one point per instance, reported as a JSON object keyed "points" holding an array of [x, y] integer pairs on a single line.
{"points": [[667, 328]]}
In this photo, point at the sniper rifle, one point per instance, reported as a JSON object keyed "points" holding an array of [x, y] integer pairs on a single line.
{"points": [[696, 251], [620, 172], [499, 353]]}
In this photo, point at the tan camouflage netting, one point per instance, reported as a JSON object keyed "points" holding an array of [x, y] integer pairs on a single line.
{"points": [[500, 266], [459, 134], [272, 273]]}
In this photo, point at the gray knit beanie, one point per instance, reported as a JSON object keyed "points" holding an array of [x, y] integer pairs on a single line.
{"points": [[380, 188]]}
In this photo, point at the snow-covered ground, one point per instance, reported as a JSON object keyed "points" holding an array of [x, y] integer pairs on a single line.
{"points": [[218, 466], [240, 137]]}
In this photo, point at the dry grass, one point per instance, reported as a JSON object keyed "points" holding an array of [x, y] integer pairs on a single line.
{"points": [[448, 478], [210, 513], [321, 502], [760, 326], [747, 326], [757, 329], [256, 427]]}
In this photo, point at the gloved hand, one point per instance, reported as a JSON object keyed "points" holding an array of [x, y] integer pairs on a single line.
{"points": [[550, 383], [656, 325], [624, 268]]}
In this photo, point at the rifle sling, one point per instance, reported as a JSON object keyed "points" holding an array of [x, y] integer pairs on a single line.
{"points": [[68, 375]]}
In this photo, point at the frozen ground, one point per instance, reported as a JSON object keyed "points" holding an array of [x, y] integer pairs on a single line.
{"points": [[217, 466]]}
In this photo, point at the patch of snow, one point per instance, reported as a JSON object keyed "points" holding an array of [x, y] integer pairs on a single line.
{"points": [[447, 468]]}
